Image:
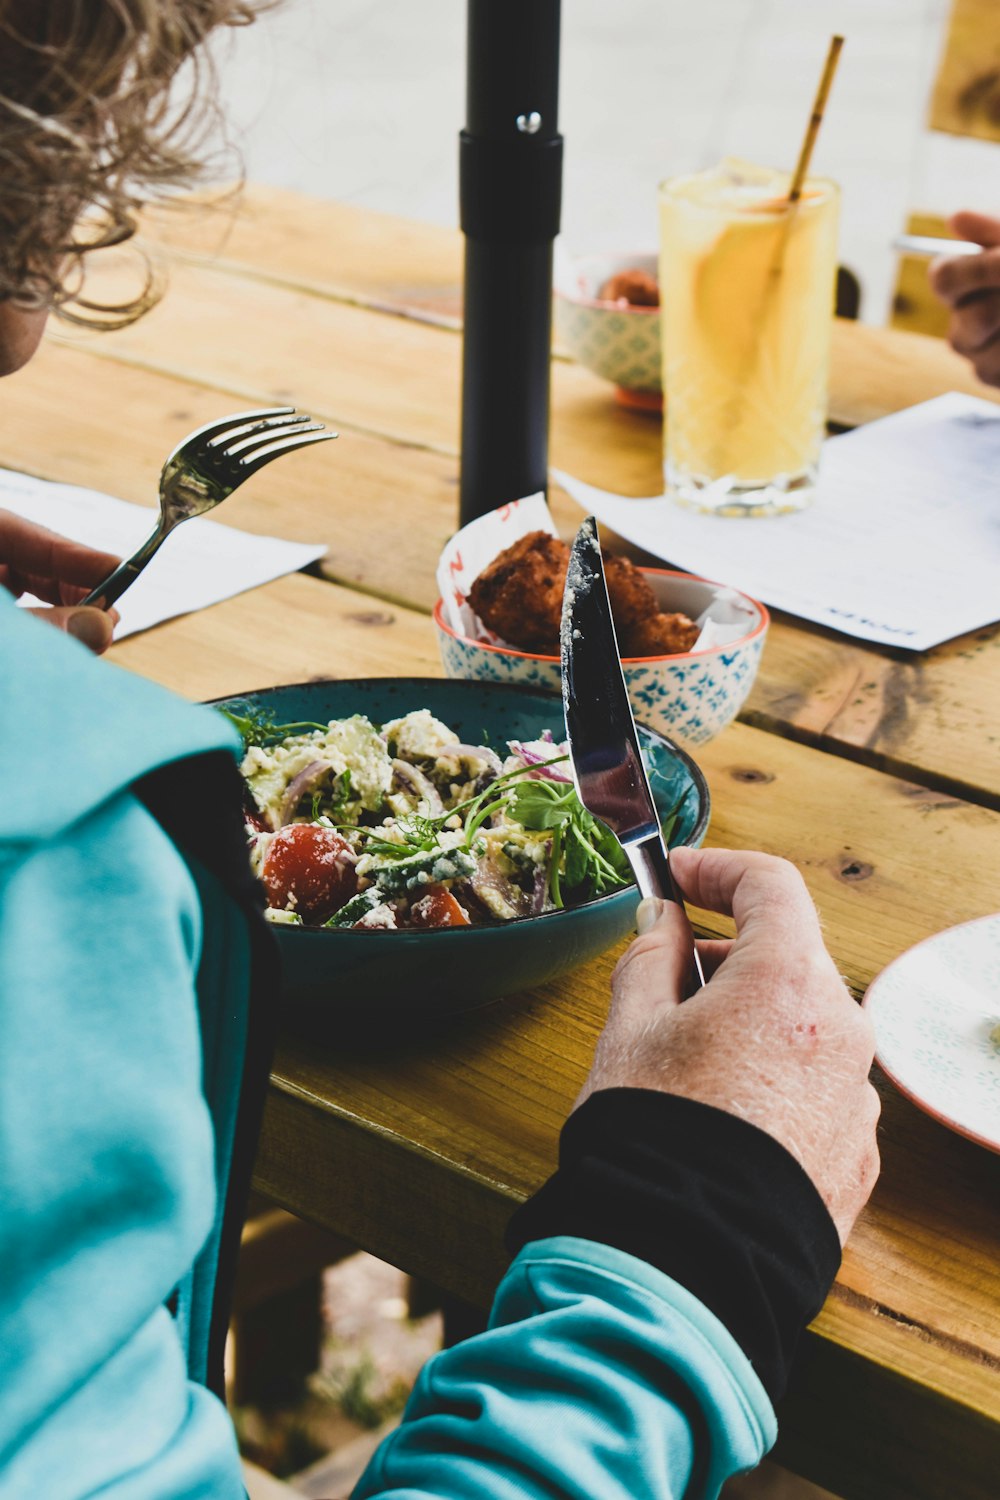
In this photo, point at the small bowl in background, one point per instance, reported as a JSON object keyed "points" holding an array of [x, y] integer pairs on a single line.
{"points": [[619, 343], [690, 697]]}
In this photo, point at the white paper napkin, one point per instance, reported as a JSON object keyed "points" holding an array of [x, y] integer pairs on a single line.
{"points": [[199, 564]]}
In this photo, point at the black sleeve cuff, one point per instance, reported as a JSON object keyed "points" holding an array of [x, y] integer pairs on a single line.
{"points": [[715, 1203]]}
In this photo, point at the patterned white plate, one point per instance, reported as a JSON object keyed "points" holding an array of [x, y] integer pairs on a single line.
{"points": [[936, 1013]]}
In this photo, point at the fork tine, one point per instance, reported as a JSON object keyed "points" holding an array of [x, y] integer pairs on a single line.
{"points": [[248, 424], [235, 419], [262, 432], [264, 455]]}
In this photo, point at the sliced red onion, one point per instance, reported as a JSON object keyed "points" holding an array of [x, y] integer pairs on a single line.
{"points": [[545, 772], [419, 784], [296, 789], [256, 817], [488, 878], [540, 890], [465, 894]]}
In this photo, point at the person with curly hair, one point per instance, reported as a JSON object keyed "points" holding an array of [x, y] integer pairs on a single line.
{"points": [[712, 1168], [105, 106]]}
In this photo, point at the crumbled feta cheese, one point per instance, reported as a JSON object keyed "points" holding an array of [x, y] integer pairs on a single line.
{"points": [[419, 736], [346, 745], [258, 848], [380, 918]]}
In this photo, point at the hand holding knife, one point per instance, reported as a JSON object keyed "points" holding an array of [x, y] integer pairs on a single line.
{"points": [[604, 748]]}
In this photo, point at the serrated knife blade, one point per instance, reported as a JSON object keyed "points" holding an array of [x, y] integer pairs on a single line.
{"points": [[607, 763]]}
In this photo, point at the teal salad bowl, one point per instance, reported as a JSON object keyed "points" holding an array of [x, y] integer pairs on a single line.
{"points": [[363, 979]]}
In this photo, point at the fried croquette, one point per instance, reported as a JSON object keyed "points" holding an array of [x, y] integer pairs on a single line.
{"points": [[659, 635], [637, 288], [632, 599], [519, 594]]}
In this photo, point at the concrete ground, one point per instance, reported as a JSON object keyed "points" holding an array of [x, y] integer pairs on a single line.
{"points": [[362, 101], [372, 1352]]}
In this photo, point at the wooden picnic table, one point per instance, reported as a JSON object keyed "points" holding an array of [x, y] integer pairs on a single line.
{"points": [[877, 772]]}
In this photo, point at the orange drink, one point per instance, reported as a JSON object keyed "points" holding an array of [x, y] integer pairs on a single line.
{"points": [[747, 285]]}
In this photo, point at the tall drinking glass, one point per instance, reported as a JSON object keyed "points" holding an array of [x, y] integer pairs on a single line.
{"points": [[747, 285]]}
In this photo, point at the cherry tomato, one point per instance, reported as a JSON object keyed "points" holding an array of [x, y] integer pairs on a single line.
{"points": [[438, 908], [310, 868]]}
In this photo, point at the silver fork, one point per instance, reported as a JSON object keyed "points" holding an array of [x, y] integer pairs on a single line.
{"points": [[205, 468]]}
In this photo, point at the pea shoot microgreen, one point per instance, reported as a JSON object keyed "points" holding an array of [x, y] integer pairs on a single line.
{"points": [[257, 726]]}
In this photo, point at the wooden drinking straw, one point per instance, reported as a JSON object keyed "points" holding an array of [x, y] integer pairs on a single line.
{"points": [[815, 119]]}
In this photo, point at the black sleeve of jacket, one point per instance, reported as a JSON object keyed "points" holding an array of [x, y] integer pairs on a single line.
{"points": [[717, 1204]]}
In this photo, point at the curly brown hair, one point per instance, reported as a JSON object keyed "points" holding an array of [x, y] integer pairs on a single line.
{"points": [[94, 123]]}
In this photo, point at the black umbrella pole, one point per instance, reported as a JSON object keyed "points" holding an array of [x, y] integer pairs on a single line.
{"points": [[511, 180]]}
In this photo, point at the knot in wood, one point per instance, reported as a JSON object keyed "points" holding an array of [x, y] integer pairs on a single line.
{"points": [[372, 617], [856, 869], [750, 773]]}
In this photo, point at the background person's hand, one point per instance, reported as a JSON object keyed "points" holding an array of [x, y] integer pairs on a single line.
{"points": [[774, 1036], [970, 285], [36, 561]]}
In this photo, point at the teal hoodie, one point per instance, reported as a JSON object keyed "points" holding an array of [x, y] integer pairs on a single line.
{"points": [[107, 1151]]}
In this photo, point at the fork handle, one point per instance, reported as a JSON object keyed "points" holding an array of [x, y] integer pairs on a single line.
{"points": [[126, 573]]}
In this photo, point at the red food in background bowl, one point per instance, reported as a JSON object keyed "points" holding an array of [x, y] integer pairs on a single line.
{"points": [[690, 696], [614, 336]]}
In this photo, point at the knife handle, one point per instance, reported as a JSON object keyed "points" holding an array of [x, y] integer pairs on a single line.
{"points": [[652, 875], [651, 869]]}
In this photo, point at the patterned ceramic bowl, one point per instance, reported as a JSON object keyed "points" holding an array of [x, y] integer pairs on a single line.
{"points": [[690, 697], [622, 344]]}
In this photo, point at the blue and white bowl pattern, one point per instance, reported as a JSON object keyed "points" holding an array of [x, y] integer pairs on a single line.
{"points": [[690, 697]]}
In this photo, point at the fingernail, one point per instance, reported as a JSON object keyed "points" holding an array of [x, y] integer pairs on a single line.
{"points": [[89, 628], [647, 914]]}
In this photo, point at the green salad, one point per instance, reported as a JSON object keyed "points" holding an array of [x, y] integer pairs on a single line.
{"points": [[405, 825]]}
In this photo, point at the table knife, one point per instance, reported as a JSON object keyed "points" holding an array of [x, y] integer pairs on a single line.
{"points": [[610, 777]]}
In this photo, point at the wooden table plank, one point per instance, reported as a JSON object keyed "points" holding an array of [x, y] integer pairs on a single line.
{"points": [[933, 717], [401, 378], [313, 629], [354, 254]]}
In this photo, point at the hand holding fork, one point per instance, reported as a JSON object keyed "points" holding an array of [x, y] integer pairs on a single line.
{"points": [[204, 469]]}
